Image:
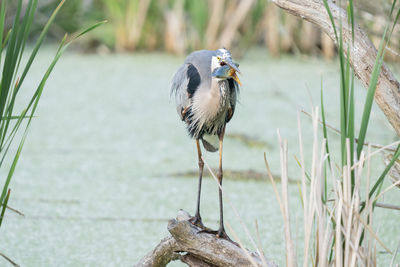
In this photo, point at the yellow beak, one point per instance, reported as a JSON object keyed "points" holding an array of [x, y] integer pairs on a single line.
{"points": [[233, 74]]}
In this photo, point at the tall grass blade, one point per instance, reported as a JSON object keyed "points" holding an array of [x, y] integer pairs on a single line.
{"points": [[61, 49], [91, 28], [331, 18], [343, 100], [11, 137], [392, 8], [380, 180], [395, 20], [2, 20], [10, 61], [36, 48], [370, 95], [39, 42], [22, 37], [324, 128], [5, 40], [325, 196], [351, 131], [12, 169], [15, 117], [351, 18], [25, 29], [34, 101], [4, 206], [8, 94]]}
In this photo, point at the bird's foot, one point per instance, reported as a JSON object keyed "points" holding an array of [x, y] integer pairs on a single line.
{"points": [[220, 234], [196, 220]]}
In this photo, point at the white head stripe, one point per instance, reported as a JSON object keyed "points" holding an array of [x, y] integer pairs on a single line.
{"points": [[225, 53]]}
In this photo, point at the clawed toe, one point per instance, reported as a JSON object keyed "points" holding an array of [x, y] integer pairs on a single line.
{"points": [[208, 231], [220, 234], [196, 220]]}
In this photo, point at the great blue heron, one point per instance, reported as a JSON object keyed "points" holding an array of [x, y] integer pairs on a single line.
{"points": [[205, 89]]}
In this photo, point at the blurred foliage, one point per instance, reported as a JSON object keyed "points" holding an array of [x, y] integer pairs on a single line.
{"points": [[179, 26], [70, 16], [198, 14]]}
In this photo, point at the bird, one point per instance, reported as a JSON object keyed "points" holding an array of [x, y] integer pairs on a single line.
{"points": [[206, 88]]}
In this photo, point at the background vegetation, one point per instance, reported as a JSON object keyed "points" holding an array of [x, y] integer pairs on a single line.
{"points": [[15, 122], [180, 26], [339, 202]]}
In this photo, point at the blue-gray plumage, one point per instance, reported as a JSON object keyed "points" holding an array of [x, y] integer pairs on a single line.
{"points": [[205, 89], [204, 100]]}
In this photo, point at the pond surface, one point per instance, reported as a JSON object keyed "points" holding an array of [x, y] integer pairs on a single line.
{"points": [[96, 178]]}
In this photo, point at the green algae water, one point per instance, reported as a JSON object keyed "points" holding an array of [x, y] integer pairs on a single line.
{"points": [[96, 178]]}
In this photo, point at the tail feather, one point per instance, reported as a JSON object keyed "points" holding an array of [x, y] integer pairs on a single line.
{"points": [[207, 141]]}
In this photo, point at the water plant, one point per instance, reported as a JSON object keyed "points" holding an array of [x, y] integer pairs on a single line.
{"points": [[14, 124], [339, 200]]}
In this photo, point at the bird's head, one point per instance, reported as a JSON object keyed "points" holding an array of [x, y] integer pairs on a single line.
{"points": [[223, 67]]}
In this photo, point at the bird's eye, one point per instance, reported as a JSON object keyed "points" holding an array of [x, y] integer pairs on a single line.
{"points": [[218, 57]]}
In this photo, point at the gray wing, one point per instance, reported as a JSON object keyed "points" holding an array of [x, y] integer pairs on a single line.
{"points": [[184, 83], [187, 79], [234, 92]]}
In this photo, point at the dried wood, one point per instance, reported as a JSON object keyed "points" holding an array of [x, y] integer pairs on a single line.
{"points": [[195, 248]]}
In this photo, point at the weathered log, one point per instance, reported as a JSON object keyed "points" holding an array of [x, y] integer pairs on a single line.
{"points": [[162, 254], [195, 248], [363, 52]]}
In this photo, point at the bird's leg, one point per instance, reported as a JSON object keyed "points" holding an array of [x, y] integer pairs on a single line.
{"points": [[221, 231], [196, 220]]}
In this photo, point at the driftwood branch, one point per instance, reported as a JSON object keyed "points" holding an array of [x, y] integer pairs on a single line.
{"points": [[363, 52], [162, 254], [194, 248]]}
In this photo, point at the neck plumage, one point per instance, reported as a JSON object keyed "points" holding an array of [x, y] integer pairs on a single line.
{"points": [[223, 89]]}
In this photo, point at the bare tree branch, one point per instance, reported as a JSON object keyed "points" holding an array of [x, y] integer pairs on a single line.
{"points": [[363, 52], [161, 255], [188, 244]]}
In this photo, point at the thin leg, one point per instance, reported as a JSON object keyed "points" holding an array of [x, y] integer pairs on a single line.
{"points": [[221, 230], [197, 219]]}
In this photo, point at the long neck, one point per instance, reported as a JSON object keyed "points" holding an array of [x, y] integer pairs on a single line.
{"points": [[220, 88]]}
